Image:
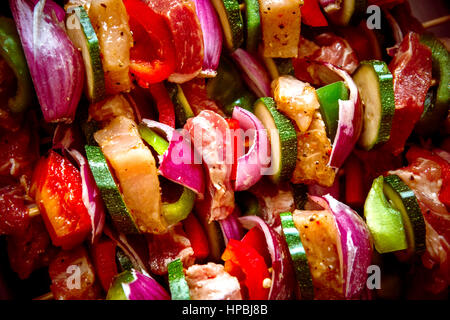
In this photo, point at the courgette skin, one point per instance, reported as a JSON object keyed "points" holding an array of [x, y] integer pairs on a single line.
{"points": [[111, 195], [181, 106], [287, 136], [253, 25], [429, 123], [179, 288], [123, 261], [232, 23], [411, 213], [385, 87], [95, 84], [298, 256]]}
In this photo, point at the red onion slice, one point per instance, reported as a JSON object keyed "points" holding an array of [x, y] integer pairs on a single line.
{"points": [[254, 74], [121, 241], [178, 162], [282, 272], [396, 30], [212, 37], [355, 247], [317, 190], [56, 66], [231, 228], [330, 6], [349, 123], [63, 137], [250, 166], [144, 287], [91, 197]]}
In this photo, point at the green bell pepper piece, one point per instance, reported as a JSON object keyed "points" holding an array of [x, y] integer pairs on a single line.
{"points": [[12, 52], [384, 222], [179, 210], [328, 97]]}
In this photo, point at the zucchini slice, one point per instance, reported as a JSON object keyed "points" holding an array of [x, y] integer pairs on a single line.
{"points": [[298, 255], [179, 288], [232, 23], [253, 25], [82, 34], [375, 84], [283, 139], [440, 57], [122, 260], [403, 199], [109, 191], [352, 11], [181, 106]]}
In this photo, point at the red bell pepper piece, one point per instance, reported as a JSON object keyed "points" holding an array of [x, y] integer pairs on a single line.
{"points": [[103, 254], [234, 126], [354, 189], [57, 189], [163, 104], [153, 53], [196, 236], [312, 15], [255, 238], [416, 152], [245, 263]]}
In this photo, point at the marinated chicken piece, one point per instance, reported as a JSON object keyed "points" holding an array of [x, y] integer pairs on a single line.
{"points": [[313, 154], [212, 282], [280, 27], [296, 99], [318, 233], [109, 19], [135, 169], [76, 3], [110, 108], [168, 247]]}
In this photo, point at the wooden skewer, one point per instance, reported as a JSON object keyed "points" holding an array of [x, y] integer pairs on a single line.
{"points": [[33, 211], [435, 22], [47, 296]]}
